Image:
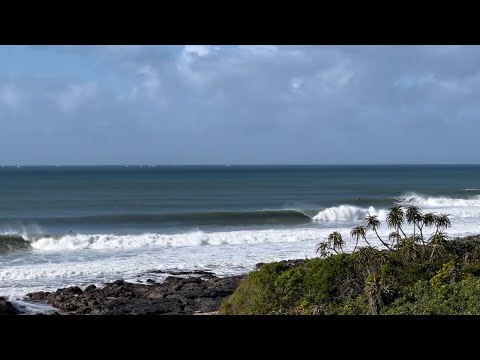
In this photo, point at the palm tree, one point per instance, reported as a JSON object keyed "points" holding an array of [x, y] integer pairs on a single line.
{"points": [[336, 241], [429, 219], [394, 237], [373, 292], [438, 241], [420, 225], [442, 222], [333, 242], [359, 232], [408, 249], [439, 238], [372, 222], [322, 248], [369, 259], [395, 218], [413, 215]]}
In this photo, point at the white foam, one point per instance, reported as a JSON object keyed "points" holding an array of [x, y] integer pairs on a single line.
{"points": [[111, 241], [47, 270], [82, 259], [434, 202], [348, 212]]}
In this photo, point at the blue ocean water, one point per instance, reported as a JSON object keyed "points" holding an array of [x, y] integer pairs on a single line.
{"points": [[89, 224]]}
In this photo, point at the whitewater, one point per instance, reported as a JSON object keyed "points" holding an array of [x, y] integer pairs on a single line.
{"points": [[82, 259], [91, 225]]}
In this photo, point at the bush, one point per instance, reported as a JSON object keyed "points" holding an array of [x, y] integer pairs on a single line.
{"points": [[446, 284], [274, 289]]}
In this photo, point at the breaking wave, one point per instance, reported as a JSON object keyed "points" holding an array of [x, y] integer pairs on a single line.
{"points": [[348, 212], [432, 202], [11, 242], [197, 218]]}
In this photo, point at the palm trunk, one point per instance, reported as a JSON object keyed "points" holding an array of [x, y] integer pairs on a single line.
{"points": [[373, 305], [372, 299], [399, 228], [421, 234], [433, 251], [384, 243], [356, 244], [365, 238], [393, 240]]}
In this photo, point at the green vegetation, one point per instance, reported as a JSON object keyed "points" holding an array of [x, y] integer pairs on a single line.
{"points": [[409, 274]]}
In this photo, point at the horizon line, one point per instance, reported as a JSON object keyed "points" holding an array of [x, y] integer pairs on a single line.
{"points": [[228, 165]]}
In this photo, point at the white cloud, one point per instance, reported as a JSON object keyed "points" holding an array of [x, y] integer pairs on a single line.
{"points": [[335, 78], [186, 61], [458, 86], [10, 96], [199, 50], [148, 87], [277, 94], [296, 83], [72, 96]]}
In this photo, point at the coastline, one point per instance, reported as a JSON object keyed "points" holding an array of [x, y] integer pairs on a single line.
{"points": [[183, 294]]}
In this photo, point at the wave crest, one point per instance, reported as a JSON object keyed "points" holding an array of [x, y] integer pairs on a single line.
{"points": [[197, 238], [11, 242], [432, 202], [198, 218], [348, 212]]}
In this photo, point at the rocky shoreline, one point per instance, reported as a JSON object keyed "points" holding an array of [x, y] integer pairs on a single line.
{"points": [[181, 293], [175, 296], [7, 308]]}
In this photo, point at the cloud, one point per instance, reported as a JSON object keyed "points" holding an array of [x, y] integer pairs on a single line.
{"points": [[71, 97], [248, 104], [9, 96]]}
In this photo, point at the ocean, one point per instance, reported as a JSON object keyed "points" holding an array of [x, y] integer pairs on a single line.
{"points": [[78, 225]]}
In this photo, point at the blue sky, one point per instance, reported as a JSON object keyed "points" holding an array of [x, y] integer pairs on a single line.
{"points": [[201, 104]]}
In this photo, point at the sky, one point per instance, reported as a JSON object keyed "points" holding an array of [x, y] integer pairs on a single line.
{"points": [[255, 104]]}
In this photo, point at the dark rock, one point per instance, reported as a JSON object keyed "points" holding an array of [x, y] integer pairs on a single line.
{"points": [[176, 295], [39, 295], [7, 308], [292, 263], [179, 273], [286, 263], [90, 288]]}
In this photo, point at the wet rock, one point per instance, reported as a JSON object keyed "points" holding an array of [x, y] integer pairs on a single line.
{"points": [[38, 296], [286, 263], [90, 288], [174, 296], [292, 263], [7, 308]]}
